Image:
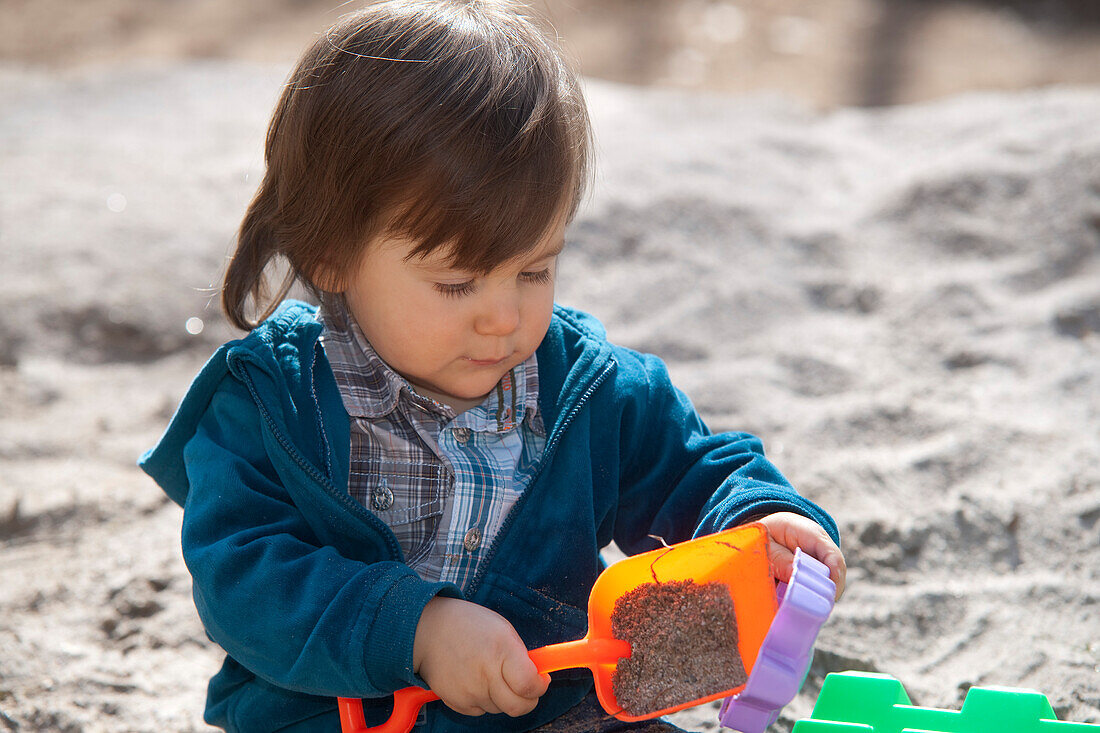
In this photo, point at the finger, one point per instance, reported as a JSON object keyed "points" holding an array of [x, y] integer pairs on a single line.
{"points": [[815, 542], [838, 570], [781, 560], [475, 701], [794, 530], [522, 685], [522, 676], [467, 709], [509, 702]]}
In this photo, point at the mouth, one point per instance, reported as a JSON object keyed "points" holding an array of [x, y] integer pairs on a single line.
{"points": [[486, 362]]}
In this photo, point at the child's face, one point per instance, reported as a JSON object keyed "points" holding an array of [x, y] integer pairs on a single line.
{"points": [[452, 334]]}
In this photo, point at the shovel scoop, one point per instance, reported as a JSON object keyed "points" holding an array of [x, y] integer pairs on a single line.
{"points": [[659, 625]]}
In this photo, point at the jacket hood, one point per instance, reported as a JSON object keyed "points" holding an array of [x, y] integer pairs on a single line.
{"points": [[277, 353]]}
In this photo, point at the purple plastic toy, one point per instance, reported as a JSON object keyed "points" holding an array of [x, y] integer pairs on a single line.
{"points": [[784, 657]]}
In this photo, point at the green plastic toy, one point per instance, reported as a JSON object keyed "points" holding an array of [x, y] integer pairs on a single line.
{"points": [[875, 703]]}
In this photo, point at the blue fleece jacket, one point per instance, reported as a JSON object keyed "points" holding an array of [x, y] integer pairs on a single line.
{"points": [[306, 590]]}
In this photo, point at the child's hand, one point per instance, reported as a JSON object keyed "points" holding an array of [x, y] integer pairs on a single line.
{"points": [[789, 531], [474, 660]]}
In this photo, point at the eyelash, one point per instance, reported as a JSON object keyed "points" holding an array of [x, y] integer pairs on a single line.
{"points": [[457, 290], [537, 278]]}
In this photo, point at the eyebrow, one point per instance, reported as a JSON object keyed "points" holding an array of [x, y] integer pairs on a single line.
{"points": [[554, 251]]}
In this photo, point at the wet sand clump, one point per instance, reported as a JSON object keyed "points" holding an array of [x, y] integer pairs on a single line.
{"points": [[683, 639]]}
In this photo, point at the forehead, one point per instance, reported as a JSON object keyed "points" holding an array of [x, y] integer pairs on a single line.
{"points": [[446, 258]]}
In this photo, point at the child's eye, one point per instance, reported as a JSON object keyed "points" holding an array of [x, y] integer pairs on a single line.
{"points": [[455, 290], [541, 277]]}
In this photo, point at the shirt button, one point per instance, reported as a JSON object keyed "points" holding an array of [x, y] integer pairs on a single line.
{"points": [[472, 540], [381, 498], [462, 434]]}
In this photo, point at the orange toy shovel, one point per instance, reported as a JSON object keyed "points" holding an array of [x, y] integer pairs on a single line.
{"points": [[736, 558]]}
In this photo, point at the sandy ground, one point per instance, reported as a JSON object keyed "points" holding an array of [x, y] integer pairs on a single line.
{"points": [[904, 303], [825, 52]]}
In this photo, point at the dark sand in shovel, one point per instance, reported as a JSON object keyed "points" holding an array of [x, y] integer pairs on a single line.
{"points": [[683, 638]]}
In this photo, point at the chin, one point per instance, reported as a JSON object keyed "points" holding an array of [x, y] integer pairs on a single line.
{"points": [[476, 393], [477, 386]]}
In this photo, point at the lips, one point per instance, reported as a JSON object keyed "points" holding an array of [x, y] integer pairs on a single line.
{"points": [[486, 362]]}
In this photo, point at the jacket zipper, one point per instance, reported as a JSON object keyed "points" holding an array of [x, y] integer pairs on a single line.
{"points": [[547, 454], [326, 448]]}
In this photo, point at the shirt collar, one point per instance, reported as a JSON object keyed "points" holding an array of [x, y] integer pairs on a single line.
{"points": [[368, 386], [514, 400]]}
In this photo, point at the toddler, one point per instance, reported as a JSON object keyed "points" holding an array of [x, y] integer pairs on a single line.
{"points": [[411, 484]]}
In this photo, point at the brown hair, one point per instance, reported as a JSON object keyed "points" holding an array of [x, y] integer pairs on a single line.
{"points": [[452, 123]]}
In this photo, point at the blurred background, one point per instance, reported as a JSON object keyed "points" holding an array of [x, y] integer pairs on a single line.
{"points": [[826, 52], [904, 303]]}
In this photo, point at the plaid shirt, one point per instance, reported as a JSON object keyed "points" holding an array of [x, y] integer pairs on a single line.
{"points": [[442, 482]]}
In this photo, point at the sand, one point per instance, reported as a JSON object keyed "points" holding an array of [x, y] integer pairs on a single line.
{"points": [[830, 52], [683, 645], [903, 303]]}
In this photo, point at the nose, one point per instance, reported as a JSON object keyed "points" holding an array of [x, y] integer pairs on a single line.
{"points": [[499, 313]]}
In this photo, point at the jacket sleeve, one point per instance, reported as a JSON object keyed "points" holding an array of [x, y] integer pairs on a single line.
{"points": [[679, 480], [294, 612]]}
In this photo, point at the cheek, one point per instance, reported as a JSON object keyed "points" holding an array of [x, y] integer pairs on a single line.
{"points": [[405, 324], [424, 308], [443, 318], [540, 312], [440, 327]]}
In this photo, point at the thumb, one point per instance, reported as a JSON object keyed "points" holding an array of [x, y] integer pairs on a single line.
{"points": [[523, 677]]}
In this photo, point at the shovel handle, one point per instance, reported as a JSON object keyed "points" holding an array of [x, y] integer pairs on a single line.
{"points": [[407, 701], [406, 704]]}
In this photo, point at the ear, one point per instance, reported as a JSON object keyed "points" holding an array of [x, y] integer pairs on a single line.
{"points": [[328, 277], [328, 280], [332, 276]]}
